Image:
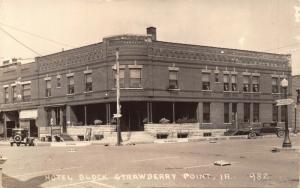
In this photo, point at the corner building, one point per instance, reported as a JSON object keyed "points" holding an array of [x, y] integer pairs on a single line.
{"points": [[208, 87]]}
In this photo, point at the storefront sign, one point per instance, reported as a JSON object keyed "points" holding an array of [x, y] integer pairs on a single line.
{"points": [[29, 114]]}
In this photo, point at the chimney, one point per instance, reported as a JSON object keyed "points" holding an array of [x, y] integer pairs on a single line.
{"points": [[152, 32]]}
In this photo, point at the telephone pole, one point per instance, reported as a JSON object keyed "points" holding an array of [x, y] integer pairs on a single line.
{"points": [[118, 115]]}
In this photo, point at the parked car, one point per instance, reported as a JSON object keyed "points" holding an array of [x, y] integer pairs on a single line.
{"points": [[20, 136], [267, 128], [252, 132]]}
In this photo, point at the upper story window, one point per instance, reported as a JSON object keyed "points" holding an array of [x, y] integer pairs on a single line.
{"points": [[255, 83], [121, 77], [88, 82], [70, 85], [205, 81], [246, 83], [58, 81], [217, 77], [14, 93], [135, 76], [6, 95], [26, 92], [48, 88], [233, 83], [274, 85], [173, 79], [226, 82]]}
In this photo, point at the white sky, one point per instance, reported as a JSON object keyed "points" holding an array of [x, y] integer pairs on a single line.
{"points": [[260, 25]]}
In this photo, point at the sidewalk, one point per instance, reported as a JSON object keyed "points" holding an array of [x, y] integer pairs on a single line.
{"points": [[154, 141]]}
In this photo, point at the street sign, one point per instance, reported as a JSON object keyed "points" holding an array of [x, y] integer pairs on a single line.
{"points": [[281, 102]]}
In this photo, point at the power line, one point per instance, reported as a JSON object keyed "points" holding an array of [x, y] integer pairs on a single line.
{"points": [[14, 38], [36, 35]]}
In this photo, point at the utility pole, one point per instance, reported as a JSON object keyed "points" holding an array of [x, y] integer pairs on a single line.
{"points": [[118, 115]]}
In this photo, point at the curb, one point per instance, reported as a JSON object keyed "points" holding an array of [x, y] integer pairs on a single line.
{"points": [[156, 141]]}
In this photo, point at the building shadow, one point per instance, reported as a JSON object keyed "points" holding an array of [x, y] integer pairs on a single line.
{"points": [[11, 182]]}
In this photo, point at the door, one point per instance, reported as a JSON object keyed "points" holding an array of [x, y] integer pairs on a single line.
{"points": [[33, 130]]}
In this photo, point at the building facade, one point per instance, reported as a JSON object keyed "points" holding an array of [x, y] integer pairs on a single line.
{"points": [[296, 98], [209, 86]]}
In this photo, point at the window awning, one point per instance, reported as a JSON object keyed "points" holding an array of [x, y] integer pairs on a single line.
{"points": [[28, 114]]}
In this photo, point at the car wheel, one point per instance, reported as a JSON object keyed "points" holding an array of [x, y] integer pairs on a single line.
{"points": [[17, 138], [18, 144], [252, 135], [280, 133], [12, 144]]}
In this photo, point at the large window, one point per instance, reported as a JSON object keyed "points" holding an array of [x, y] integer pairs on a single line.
{"points": [[226, 82], [6, 95], [246, 84], [274, 85], [283, 115], [246, 112], [255, 83], [234, 111], [233, 83], [274, 113], [121, 78], [206, 112], [88, 82], [226, 112], [70, 86], [26, 92], [255, 112], [205, 81], [135, 77], [14, 92], [48, 88]]}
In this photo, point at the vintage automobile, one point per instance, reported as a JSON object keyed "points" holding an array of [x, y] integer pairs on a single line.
{"points": [[20, 136], [253, 132]]}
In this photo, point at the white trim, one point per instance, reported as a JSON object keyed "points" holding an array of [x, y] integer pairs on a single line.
{"points": [[120, 66], [206, 71], [58, 76], [246, 74], [135, 66], [173, 68], [5, 86], [25, 82], [69, 74], [234, 72], [87, 71], [47, 78], [13, 84], [226, 72], [255, 74]]}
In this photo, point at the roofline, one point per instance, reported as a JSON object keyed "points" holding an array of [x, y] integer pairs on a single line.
{"points": [[222, 48]]}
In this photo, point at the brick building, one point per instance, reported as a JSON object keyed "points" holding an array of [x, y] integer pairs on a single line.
{"points": [[208, 86]]}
